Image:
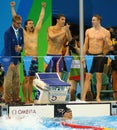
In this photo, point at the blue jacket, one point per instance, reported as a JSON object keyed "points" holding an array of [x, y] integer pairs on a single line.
{"points": [[10, 41]]}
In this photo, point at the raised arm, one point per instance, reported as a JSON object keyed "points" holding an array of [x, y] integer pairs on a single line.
{"points": [[41, 17], [12, 4]]}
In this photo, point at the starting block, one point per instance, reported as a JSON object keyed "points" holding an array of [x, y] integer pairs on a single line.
{"points": [[50, 88]]}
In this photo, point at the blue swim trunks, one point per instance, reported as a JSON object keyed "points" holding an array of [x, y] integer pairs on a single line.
{"points": [[55, 63], [30, 65]]}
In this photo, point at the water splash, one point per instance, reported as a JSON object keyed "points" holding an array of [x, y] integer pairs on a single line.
{"points": [[36, 123]]}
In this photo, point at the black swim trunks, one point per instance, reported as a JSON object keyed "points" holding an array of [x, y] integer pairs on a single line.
{"points": [[97, 63]]}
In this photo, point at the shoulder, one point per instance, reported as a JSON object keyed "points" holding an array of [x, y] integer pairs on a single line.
{"points": [[89, 30], [50, 27], [21, 30], [9, 30], [105, 30]]}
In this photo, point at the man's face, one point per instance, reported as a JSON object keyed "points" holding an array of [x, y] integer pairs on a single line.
{"points": [[95, 21], [68, 115], [30, 26], [61, 21], [17, 24]]}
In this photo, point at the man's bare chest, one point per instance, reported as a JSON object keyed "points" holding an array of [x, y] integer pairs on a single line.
{"points": [[96, 36]]}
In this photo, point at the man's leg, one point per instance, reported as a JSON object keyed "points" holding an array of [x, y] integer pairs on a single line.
{"points": [[33, 70], [16, 84], [73, 89], [8, 86], [98, 85], [25, 89], [87, 85], [30, 88]]}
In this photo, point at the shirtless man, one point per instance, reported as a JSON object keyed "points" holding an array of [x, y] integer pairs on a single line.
{"points": [[95, 39], [58, 35], [30, 48]]}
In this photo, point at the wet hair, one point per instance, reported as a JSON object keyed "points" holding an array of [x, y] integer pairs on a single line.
{"points": [[16, 17], [62, 110], [59, 16], [26, 23], [66, 110], [98, 17]]}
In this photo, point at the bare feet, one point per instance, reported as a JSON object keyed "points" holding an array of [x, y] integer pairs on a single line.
{"points": [[26, 101], [31, 101], [83, 99], [98, 99]]}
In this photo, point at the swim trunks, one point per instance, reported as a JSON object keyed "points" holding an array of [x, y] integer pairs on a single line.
{"points": [[97, 63], [30, 65], [55, 64]]}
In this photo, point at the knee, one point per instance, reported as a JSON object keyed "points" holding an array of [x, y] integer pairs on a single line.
{"points": [[25, 80], [88, 77]]}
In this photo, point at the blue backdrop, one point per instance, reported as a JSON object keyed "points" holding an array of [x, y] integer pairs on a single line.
{"points": [[106, 8]]}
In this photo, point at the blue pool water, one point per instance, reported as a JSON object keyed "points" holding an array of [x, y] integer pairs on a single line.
{"points": [[35, 123]]}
